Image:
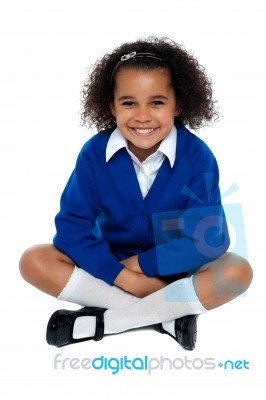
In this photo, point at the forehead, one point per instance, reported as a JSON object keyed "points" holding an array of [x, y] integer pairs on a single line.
{"points": [[136, 80]]}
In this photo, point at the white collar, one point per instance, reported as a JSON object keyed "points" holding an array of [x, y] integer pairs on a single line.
{"points": [[167, 146]]}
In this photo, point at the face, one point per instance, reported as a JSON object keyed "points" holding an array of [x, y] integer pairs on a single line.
{"points": [[144, 107]]}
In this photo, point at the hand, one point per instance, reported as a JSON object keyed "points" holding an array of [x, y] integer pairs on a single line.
{"points": [[132, 264], [138, 284]]}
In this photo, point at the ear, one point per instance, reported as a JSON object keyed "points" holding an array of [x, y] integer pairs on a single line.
{"points": [[178, 110], [112, 109]]}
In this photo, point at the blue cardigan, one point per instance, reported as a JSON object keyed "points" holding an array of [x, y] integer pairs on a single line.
{"points": [[179, 226]]}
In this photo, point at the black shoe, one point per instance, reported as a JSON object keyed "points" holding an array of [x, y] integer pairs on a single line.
{"points": [[185, 331], [60, 326]]}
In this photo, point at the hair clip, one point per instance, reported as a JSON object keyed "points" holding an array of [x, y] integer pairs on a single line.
{"points": [[127, 56]]}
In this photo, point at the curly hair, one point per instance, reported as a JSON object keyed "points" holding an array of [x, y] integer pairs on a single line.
{"points": [[192, 87]]}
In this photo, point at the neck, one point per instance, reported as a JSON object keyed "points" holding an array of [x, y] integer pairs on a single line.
{"points": [[142, 154]]}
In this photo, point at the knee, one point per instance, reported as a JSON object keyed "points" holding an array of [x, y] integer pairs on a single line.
{"points": [[239, 272], [30, 264]]}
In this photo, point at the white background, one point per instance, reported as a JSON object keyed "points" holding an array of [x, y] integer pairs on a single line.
{"points": [[46, 49]]}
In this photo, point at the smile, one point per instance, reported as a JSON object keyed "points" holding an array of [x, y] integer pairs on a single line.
{"points": [[144, 132]]}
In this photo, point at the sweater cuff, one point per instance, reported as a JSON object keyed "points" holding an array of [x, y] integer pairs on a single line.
{"points": [[148, 263], [109, 271]]}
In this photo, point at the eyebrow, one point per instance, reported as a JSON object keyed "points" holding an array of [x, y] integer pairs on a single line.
{"points": [[159, 96]]}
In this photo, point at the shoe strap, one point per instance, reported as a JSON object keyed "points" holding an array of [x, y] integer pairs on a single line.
{"points": [[99, 325]]}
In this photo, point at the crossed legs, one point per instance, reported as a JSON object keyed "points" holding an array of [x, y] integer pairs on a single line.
{"points": [[213, 285]]}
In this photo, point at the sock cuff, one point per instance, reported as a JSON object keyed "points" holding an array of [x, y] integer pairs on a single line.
{"points": [[183, 291], [199, 309], [71, 285]]}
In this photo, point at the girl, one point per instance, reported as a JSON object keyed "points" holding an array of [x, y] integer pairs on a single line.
{"points": [[141, 237]]}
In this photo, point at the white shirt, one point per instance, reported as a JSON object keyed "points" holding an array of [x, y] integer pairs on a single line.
{"points": [[148, 169]]}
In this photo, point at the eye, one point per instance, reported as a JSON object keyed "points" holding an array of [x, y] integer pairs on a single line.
{"points": [[157, 103], [128, 103]]}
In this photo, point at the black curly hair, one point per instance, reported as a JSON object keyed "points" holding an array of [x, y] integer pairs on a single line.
{"points": [[193, 88]]}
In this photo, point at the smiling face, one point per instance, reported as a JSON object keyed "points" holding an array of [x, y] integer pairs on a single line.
{"points": [[144, 107]]}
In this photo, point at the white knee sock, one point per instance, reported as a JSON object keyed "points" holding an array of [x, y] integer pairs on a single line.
{"points": [[126, 311], [174, 301], [85, 290]]}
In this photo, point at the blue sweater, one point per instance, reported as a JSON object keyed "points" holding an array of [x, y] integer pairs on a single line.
{"points": [[179, 226]]}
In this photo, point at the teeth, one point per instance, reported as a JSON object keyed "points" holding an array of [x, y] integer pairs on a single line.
{"points": [[144, 131]]}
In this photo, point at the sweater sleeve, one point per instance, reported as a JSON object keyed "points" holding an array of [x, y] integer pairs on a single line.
{"points": [[187, 239], [77, 233]]}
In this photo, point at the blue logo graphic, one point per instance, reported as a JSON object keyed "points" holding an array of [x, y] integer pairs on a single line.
{"points": [[198, 235]]}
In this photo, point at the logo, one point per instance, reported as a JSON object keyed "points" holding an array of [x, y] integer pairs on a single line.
{"points": [[200, 234], [146, 364]]}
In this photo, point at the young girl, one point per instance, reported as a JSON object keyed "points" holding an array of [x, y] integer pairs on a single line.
{"points": [[141, 233]]}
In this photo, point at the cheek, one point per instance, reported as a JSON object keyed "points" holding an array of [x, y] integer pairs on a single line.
{"points": [[119, 117], [122, 116], [167, 118]]}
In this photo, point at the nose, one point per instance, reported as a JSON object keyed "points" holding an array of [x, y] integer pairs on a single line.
{"points": [[143, 115]]}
